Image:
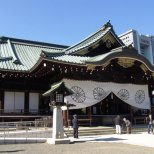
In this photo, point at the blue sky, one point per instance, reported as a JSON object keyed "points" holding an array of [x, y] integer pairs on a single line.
{"points": [[68, 21]]}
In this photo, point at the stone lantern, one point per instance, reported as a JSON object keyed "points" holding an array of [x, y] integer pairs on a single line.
{"points": [[57, 92]]}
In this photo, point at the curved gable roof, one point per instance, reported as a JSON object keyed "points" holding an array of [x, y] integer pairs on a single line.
{"points": [[93, 39]]}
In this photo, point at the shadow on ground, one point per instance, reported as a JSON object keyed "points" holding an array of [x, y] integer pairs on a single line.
{"points": [[110, 139]]}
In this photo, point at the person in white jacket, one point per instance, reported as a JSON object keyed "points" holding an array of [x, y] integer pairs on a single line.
{"points": [[118, 123]]}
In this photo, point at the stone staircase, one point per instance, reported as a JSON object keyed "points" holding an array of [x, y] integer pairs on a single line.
{"points": [[102, 130]]}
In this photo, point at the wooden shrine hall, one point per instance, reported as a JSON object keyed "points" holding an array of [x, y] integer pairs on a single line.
{"points": [[107, 77]]}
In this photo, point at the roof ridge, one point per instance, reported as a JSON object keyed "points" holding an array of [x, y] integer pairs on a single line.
{"points": [[36, 45], [4, 39], [103, 28]]}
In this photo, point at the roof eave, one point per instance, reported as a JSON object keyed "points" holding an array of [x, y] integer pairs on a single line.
{"points": [[121, 53]]}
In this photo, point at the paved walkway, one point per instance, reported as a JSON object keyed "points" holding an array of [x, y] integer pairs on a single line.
{"points": [[142, 139], [105, 144]]}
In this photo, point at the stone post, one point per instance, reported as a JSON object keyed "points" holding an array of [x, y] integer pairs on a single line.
{"points": [[58, 130]]}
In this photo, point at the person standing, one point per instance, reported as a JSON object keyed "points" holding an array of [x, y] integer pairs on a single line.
{"points": [[75, 126], [128, 125], [149, 122], [117, 121]]}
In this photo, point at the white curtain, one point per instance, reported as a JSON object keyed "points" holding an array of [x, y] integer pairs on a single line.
{"points": [[88, 93]]}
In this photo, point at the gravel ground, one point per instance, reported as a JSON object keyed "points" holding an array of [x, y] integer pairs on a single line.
{"points": [[75, 148]]}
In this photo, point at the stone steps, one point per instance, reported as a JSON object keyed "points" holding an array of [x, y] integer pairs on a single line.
{"points": [[92, 131]]}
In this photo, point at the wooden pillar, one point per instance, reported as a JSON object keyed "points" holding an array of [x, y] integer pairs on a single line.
{"points": [[68, 122], [1, 101], [89, 115], [65, 118], [131, 114], [26, 105], [150, 94]]}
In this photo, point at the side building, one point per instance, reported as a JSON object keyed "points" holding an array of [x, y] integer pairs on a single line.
{"points": [[144, 44]]}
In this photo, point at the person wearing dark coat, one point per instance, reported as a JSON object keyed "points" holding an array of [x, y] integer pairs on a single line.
{"points": [[128, 125], [75, 126], [118, 122], [150, 124]]}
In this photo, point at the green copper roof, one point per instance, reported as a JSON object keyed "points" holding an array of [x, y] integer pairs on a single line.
{"points": [[71, 59], [58, 87], [22, 55], [52, 89], [87, 42]]}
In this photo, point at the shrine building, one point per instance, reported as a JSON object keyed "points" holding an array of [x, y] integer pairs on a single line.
{"points": [[106, 76]]}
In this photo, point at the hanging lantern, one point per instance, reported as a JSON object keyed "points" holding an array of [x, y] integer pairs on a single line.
{"points": [[111, 95], [65, 71], [44, 64], [153, 92]]}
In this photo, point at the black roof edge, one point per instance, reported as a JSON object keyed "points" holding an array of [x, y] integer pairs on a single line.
{"points": [[6, 58], [4, 39]]}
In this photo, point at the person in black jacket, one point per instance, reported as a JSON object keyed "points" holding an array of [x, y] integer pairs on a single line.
{"points": [[75, 126]]}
